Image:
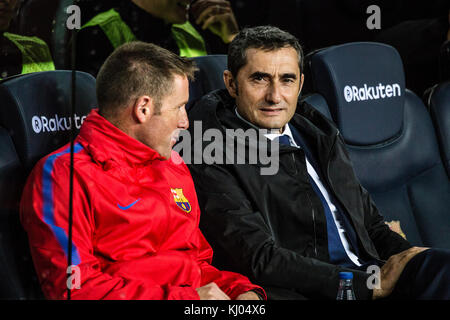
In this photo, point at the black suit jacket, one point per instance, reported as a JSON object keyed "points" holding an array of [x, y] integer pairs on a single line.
{"points": [[267, 226]]}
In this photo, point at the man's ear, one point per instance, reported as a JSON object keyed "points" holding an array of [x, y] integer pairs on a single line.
{"points": [[302, 78], [230, 83], [143, 108]]}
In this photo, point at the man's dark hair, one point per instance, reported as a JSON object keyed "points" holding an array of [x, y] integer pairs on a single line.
{"points": [[267, 38], [135, 69]]}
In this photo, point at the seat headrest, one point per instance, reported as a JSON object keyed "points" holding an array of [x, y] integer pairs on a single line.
{"points": [[440, 97], [440, 112], [35, 109], [364, 86], [209, 77], [10, 174], [319, 103]]}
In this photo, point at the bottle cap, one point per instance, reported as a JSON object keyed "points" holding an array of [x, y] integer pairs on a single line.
{"points": [[345, 275]]}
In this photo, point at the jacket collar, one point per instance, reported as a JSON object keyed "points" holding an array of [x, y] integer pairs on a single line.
{"points": [[107, 144]]}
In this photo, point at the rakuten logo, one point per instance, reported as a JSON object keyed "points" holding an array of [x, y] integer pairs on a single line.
{"points": [[354, 93], [44, 124]]}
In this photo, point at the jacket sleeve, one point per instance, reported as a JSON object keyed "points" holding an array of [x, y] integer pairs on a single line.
{"points": [[44, 215], [243, 237], [233, 284]]}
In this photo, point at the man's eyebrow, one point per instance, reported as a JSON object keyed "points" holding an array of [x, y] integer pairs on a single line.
{"points": [[289, 75], [260, 74], [179, 104]]}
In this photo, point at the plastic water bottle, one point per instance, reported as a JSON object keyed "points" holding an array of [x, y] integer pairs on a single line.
{"points": [[345, 291]]}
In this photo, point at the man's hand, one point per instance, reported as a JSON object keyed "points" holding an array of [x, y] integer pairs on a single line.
{"points": [[249, 295], [211, 292], [217, 16], [391, 271]]}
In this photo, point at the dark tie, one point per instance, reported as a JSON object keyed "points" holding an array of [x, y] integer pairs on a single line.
{"points": [[336, 249], [284, 139]]}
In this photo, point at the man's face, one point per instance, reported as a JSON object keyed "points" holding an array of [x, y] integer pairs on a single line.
{"points": [[8, 10], [172, 11], [268, 87], [162, 131]]}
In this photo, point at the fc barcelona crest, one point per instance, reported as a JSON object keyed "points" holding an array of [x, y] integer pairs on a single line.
{"points": [[181, 200]]}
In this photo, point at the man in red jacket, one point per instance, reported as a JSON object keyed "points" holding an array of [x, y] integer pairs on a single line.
{"points": [[136, 216]]}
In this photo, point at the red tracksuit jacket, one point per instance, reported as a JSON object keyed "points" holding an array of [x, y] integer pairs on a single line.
{"points": [[135, 222]]}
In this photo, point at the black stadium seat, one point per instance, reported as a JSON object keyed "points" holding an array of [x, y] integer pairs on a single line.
{"points": [[35, 109], [439, 104], [209, 77], [319, 103], [389, 135], [34, 121], [14, 260]]}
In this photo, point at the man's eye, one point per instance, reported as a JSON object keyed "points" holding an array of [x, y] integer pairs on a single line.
{"points": [[258, 78]]}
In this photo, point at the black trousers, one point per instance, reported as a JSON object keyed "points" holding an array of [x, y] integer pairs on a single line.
{"points": [[425, 277]]}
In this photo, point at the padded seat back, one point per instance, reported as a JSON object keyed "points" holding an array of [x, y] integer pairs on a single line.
{"points": [[18, 280], [389, 135], [439, 104], [35, 109], [34, 121], [209, 77]]}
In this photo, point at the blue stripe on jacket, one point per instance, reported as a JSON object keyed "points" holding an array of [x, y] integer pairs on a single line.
{"points": [[49, 205]]}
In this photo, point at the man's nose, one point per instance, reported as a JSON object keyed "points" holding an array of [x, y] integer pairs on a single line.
{"points": [[273, 94], [183, 123]]}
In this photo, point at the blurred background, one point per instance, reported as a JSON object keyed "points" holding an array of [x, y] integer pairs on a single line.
{"points": [[418, 29]]}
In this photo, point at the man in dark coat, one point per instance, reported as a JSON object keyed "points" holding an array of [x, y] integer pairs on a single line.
{"points": [[162, 22], [293, 230]]}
